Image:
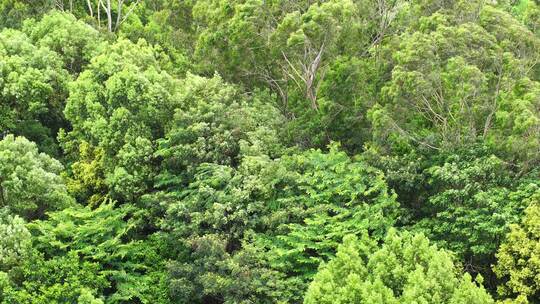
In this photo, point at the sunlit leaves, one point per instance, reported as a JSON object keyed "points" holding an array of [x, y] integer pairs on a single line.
{"points": [[405, 269], [30, 184]]}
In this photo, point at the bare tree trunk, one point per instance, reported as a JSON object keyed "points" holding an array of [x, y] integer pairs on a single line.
{"points": [[310, 73], [99, 13], [109, 14], [306, 79], [59, 5], [120, 19], [118, 14], [2, 197], [487, 124], [90, 8]]}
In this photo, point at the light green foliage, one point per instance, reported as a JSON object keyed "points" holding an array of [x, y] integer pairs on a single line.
{"points": [[405, 269], [86, 297], [63, 279], [519, 257], [30, 183], [81, 229], [243, 140], [33, 87], [75, 41], [15, 240], [166, 24], [526, 11], [87, 180], [119, 105], [519, 121], [34, 74]]}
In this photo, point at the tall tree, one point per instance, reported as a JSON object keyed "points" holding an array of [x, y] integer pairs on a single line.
{"points": [[118, 107], [33, 89], [457, 79], [287, 214], [405, 269], [75, 41], [30, 182]]}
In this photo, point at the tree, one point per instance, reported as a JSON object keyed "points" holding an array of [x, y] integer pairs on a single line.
{"points": [[118, 107], [525, 11], [33, 88], [14, 12], [290, 212], [64, 279], [310, 39], [519, 123], [518, 258], [15, 240], [211, 124], [129, 268], [328, 196], [210, 274], [111, 9], [464, 200], [473, 203], [405, 269], [75, 41], [30, 184], [452, 81], [254, 147], [297, 49]]}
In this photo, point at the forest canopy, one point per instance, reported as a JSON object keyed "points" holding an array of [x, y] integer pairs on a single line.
{"points": [[284, 151]]}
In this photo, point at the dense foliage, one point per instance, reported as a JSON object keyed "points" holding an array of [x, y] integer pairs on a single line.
{"points": [[406, 269], [285, 151]]}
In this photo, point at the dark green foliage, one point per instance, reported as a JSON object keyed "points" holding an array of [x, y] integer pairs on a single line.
{"points": [[105, 239], [14, 12], [295, 210], [463, 199], [242, 141], [473, 203], [329, 196]]}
